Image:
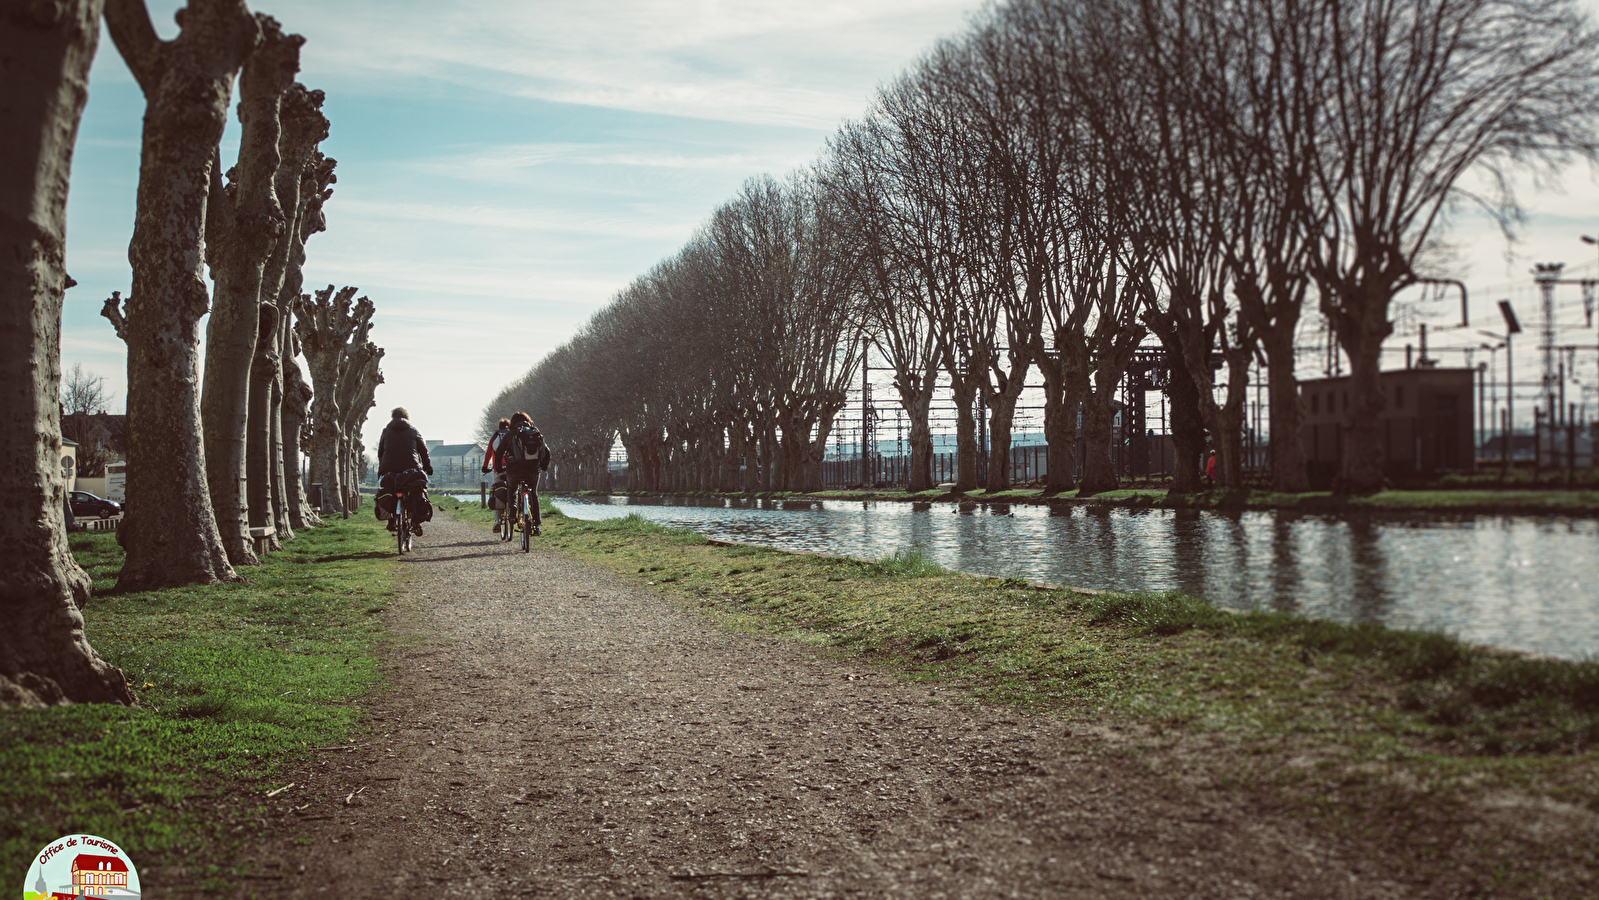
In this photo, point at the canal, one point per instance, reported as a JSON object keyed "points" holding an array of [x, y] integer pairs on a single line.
{"points": [[1519, 582]]}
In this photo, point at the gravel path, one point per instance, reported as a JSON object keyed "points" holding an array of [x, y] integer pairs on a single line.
{"points": [[555, 730]]}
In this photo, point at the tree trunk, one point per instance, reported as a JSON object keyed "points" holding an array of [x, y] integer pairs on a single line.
{"points": [[244, 226], [296, 399], [1099, 471], [259, 449], [1288, 472], [1361, 334], [965, 392], [1063, 401], [44, 656], [1186, 424], [170, 533], [1001, 413]]}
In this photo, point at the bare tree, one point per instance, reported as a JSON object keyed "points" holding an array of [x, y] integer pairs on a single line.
{"points": [[1421, 93], [170, 533], [244, 224], [84, 393], [44, 656], [84, 401], [859, 184]]}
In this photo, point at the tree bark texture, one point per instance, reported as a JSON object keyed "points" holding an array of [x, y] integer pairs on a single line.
{"points": [[44, 656], [245, 223], [170, 533]]}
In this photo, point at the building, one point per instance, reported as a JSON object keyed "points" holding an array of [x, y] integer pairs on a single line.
{"points": [[1426, 423], [97, 876], [456, 463]]}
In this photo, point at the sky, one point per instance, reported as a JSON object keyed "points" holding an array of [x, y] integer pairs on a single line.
{"points": [[506, 166]]}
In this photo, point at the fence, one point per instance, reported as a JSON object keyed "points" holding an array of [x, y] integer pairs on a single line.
{"points": [[1139, 457]]}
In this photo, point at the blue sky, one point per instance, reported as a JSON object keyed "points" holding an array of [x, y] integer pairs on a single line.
{"points": [[505, 167]]}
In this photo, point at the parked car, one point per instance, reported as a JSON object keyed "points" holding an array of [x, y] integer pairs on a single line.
{"points": [[85, 504]]}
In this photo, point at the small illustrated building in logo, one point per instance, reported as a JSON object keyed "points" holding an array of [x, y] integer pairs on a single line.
{"points": [[81, 867]]}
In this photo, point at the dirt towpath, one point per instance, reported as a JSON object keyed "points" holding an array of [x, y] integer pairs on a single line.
{"points": [[554, 730]]}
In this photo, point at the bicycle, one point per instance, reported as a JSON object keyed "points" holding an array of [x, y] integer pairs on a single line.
{"points": [[507, 525], [524, 515], [402, 522]]}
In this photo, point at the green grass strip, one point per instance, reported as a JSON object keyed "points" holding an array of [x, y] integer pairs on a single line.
{"points": [[234, 681]]}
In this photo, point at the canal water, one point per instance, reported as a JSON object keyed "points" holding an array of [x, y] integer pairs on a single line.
{"points": [[1520, 582]]}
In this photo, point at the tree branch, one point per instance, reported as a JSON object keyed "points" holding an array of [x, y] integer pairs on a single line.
{"points": [[135, 38], [112, 310]]}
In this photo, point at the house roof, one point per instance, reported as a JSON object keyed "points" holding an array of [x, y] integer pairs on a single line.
{"points": [[457, 449], [88, 862]]}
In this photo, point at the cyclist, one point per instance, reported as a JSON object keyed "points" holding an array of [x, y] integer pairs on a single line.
{"points": [[526, 456], [495, 459], [403, 458]]}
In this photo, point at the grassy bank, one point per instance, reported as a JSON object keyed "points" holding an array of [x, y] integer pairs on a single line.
{"points": [[1407, 738], [234, 682]]}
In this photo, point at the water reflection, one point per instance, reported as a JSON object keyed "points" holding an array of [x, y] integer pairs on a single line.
{"points": [[1521, 582]]}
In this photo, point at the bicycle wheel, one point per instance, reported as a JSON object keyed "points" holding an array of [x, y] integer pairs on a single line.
{"points": [[402, 528], [523, 503]]}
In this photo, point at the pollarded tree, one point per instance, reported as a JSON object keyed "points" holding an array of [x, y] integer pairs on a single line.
{"points": [[324, 326], [243, 225], [44, 656], [170, 533], [293, 404], [359, 377]]}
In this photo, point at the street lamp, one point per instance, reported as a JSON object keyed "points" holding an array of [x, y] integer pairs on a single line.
{"points": [[1489, 376]]}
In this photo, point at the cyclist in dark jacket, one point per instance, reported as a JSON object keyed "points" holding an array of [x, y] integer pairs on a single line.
{"points": [[401, 450]]}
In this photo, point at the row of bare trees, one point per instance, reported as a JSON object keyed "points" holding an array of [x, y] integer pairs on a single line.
{"points": [[738, 348], [1070, 180], [210, 455]]}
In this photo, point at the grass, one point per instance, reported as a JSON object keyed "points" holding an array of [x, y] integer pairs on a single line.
{"points": [[1373, 730], [234, 682]]}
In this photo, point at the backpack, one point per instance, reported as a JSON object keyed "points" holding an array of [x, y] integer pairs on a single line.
{"points": [[526, 443]]}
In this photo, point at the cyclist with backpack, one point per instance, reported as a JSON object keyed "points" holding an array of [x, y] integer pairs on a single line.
{"points": [[526, 455], [495, 459], [402, 462]]}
